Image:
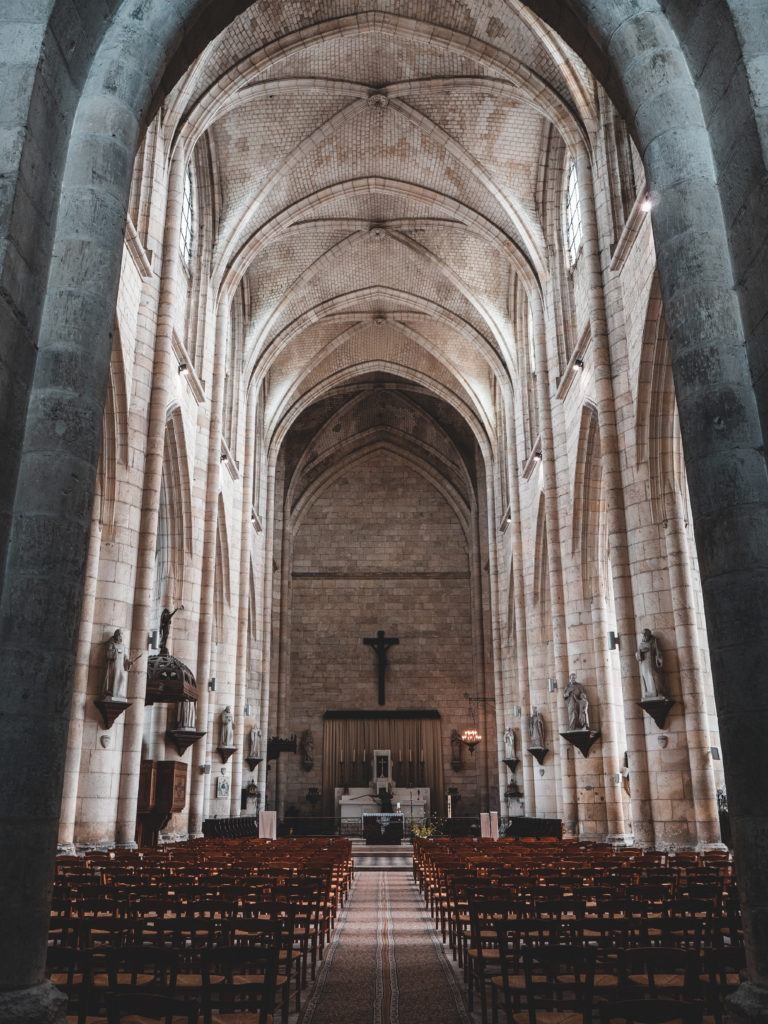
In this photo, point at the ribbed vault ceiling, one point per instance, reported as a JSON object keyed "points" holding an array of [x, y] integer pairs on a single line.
{"points": [[375, 178]]}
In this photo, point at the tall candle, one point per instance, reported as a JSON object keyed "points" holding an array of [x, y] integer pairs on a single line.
{"points": [[410, 755], [354, 752], [422, 754], [364, 749], [341, 756]]}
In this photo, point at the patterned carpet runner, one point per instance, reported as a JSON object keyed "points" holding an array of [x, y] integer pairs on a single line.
{"points": [[385, 965]]}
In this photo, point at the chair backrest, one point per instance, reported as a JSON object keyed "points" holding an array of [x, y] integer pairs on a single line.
{"points": [[239, 979], [125, 1007], [559, 979], [149, 968], [70, 970], [651, 1011]]}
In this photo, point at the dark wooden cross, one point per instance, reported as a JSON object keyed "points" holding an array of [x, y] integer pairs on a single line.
{"points": [[381, 645]]}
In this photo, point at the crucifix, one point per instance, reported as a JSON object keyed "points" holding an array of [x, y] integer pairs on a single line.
{"points": [[381, 645]]}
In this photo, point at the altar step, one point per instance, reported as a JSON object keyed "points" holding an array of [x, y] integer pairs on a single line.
{"points": [[382, 858]]}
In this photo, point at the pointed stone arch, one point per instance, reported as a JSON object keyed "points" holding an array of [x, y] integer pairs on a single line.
{"points": [[657, 431], [589, 535]]}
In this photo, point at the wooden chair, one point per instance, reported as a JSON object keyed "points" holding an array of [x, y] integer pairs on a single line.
{"points": [[239, 980], [69, 970], [661, 972], [651, 1011], [721, 974], [141, 1008], [558, 986]]}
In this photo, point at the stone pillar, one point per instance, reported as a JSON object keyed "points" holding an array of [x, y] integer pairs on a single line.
{"points": [[642, 811], [703, 792], [246, 530], [79, 693], [527, 763], [609, 723], [162, 370], [200, 780], [567, 768]]}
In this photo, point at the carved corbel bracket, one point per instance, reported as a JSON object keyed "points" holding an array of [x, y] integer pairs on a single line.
{"points": [[582, 739], [658, 708], [111, 708]]}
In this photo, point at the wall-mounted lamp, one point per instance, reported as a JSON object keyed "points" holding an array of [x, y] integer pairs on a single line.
{"points": [[183, 369], [552, 684], [253, 517], [579, 363], [212, 683], [538, 456], [613, 641], [223, 457], [646, 203]]}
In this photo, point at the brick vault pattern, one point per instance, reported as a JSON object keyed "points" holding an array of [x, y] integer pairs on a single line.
{"points": [[381, 393]]}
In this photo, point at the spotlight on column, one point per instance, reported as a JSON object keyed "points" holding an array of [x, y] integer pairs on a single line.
{"points": [[538, 456], [646, 203], [579, 363], [183, 369]]}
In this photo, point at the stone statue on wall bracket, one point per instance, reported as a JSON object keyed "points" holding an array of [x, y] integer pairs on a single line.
{"points": [[118, 664], [648, 655], [509, 743], [577, 703], [254, 742], [186, 716], [227, 735], [537, 728]]}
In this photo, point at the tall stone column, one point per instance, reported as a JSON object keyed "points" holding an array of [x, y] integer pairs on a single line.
{"points": [[567, 779], [79, 693], [201, 780], [246, 529], [642, 810], [610, 711], [703, 792], [162, 370]]}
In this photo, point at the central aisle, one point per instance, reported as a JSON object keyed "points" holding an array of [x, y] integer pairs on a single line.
{"points": [[385, 964]]}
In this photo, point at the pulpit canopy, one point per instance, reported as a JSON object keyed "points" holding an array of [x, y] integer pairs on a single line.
{"points": [[169, 680]]}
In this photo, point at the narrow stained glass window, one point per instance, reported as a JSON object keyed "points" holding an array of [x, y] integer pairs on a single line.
{"points": [[573, 216], [187, 221]]}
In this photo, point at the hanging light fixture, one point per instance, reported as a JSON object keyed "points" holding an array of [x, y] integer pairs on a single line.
{"points": [[471, 737]]}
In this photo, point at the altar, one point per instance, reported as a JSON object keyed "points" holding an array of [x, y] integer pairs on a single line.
{"points": [[413, 804], [381, 796]]}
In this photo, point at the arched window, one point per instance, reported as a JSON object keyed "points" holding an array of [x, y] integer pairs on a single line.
{"points": [[573, 232], [186, 235]]}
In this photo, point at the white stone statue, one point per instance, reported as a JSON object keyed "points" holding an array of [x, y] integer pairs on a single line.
{"points": [[186, 715], [227, 735], [118, 664], [577, 702], [648, 655], [509, 743], [254, 743], [537, 728]]}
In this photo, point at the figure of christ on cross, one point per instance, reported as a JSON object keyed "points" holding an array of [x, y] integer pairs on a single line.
{"points": [[381, 645]]}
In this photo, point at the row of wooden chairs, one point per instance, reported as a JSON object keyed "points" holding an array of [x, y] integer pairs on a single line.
{"points": [[149, 982], [130, 925]]}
